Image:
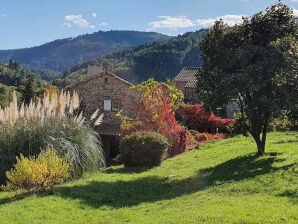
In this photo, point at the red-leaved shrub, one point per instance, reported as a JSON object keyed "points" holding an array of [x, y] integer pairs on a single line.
{"points": [[197, 118], [153, 111]]}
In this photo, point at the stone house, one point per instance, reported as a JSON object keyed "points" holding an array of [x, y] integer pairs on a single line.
{"points": [[109, 93], [186, 81]]}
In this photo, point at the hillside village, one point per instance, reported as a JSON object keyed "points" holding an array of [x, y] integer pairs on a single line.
{"points": [[143, 127]]}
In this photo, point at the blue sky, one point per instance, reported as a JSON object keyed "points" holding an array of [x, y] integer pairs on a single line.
{"points": [[26, 23]]}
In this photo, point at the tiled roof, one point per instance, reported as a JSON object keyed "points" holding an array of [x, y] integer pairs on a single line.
{"points": [[108, 129], [188, 75]]}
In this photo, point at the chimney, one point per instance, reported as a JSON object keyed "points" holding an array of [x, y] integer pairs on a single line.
{"points": [[94, 70]]}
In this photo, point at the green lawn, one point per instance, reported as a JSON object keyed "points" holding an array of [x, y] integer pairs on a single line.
{"points": [[222, 182]]}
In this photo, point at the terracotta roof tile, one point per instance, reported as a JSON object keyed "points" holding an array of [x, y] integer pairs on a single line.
{"points": [[188, 75], [108, 129]]}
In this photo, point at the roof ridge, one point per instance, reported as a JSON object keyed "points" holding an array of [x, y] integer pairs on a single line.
{"points": [[95, 76], [191, 68], [116, 76]]}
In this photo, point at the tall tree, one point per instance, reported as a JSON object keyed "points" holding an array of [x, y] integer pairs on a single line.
{"points": [[254, 63], [28, 91]]}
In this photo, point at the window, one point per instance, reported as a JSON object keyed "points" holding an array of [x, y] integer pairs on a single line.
{"points": [[106, 80], [107, 105], [115, 105]]}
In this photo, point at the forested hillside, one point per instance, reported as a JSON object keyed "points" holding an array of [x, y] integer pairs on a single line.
{"points": [[159, 60], [16, 77], [63, 54]]}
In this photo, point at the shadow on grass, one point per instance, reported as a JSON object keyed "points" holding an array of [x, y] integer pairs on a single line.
{"points": [[21, 196], [286, 141], [244, 167], [126, 170], [149, 189], [291, 194], [122, 193]]}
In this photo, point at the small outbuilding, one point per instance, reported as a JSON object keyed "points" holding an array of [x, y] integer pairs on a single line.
{"points": [[186, 81]]}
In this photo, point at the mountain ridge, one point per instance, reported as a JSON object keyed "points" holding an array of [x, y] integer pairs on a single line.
{"points": [[62, 54], [159, 60]]}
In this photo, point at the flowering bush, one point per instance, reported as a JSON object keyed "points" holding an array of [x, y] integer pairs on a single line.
{"points": [[197, 118], [38, 174]]}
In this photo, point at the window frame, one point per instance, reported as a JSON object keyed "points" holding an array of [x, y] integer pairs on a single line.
{"points": [[107, 104], [117, 103]]}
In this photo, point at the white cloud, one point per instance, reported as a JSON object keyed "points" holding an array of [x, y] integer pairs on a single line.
{"points": [[94, 14], [173, 23], [77, 20], [231, 20], [295, 12], [103, 24]]}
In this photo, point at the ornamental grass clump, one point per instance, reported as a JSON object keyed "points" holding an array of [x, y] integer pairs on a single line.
{"points": [[52, 122]]}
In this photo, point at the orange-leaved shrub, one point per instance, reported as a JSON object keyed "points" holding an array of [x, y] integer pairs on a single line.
{"points": [[206, 137]]}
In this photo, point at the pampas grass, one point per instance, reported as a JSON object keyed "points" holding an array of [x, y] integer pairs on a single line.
{"points": [[55, 105], [49, 123]]}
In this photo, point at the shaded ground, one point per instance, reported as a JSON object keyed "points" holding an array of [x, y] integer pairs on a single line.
{"points": [[153, 188]]}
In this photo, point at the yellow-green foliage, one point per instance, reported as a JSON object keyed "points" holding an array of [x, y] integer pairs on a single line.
{"points": [[175, 95], [38, 174], [282, 123]]}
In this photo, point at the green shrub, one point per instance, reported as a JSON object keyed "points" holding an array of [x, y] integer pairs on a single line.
{"points": [[38, 174], [283, 123], [143, 149]]}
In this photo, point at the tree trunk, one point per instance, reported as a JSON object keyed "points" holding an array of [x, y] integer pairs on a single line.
{"points": [[260, 145], [260, 137], [261, 149], [264, 134]]}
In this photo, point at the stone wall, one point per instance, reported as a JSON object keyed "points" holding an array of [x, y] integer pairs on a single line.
{"points": [[190, 94], [104, 86]]}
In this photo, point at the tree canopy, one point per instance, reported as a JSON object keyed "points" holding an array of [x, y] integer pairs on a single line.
{"points": [[255, 64]]}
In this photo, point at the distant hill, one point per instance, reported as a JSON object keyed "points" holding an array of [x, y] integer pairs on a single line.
{"points": [[60, 55], [159, 60]]}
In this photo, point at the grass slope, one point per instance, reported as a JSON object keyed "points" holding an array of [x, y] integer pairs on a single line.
{"points": [[221, 182]]}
